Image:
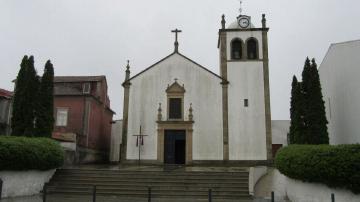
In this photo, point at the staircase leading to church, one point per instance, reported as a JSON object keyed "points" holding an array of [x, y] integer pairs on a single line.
{"points": [[164, 184]]}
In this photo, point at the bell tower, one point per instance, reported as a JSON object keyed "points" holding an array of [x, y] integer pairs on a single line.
{"points": [[244, 64]]}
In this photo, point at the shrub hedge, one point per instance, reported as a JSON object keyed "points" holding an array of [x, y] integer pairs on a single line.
{"points": [[335, 166], [24, 153]]}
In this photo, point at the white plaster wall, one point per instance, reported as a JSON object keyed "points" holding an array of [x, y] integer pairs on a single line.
{"points": [[279, 131], [203, 90], [116, 137], [298, 191], [273, 181], [247, 137], [255, 173], [244, 36], [339, 74], [24, 183]]}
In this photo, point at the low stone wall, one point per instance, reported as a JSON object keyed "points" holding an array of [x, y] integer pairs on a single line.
{"points": [[79, 155], [85, 155], [297, 191], [255, 173], [24, 183]]}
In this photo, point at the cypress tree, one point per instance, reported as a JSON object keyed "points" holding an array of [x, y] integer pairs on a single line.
{"points": [[297, 127], [19, 100], [305, 86], [293, 100], [293, 109], [316, 109], [30, 96], [45, 107], [314, 113]]}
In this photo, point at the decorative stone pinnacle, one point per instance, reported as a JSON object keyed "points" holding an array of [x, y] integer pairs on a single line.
{"points": [[263, 21], [223, 21], [190, 113], [127, 72], [128, 65], [159, 113], [176, 80]]}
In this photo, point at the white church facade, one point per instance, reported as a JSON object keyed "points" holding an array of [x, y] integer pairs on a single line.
{"points": [[179, 112]]}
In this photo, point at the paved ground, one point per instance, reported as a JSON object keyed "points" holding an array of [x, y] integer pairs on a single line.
{"points": [[67, 198]]}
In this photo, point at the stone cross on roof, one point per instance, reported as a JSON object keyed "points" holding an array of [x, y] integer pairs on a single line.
{"points": [[176, 31]]}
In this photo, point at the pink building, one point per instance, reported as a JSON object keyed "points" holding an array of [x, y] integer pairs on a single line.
{"points": [[83, 117]]}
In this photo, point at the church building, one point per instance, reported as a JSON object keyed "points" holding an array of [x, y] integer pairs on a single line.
{"points": [[179, 112]]}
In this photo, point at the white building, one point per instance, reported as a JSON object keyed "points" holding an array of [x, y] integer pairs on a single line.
{"points": [[115, 142], [339, 76], [191, 115], [279, 131]]}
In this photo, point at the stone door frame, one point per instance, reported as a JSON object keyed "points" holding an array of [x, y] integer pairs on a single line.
{"points": [[187, 126]]}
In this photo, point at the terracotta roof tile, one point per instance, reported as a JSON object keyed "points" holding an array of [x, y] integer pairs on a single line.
{"points": [[60, 79], [5, 93]]}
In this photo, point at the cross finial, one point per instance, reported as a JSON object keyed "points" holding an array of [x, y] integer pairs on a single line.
{"points": [[240, 9], [176, 31], [175, 79]]}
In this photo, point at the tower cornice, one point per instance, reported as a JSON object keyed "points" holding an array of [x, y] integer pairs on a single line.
{"points": [[244, 30]]}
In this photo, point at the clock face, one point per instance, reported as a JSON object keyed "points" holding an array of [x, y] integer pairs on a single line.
{"points": [[244, 22]]}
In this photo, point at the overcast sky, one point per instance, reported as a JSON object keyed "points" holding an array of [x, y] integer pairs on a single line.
{"points": [[88, 37]]}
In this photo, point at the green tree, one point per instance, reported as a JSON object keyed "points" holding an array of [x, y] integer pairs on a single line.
{"points": [[27, 83], [31, 98], [305, 85], [45, 107], [297, 127], [19, 100], [314, 113]]}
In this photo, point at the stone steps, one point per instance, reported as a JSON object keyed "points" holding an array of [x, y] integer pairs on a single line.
{"points": [[164, 184], [149, 180], [228, 175], [154, 188], [135, 194], [153, 185], [148, 173]]}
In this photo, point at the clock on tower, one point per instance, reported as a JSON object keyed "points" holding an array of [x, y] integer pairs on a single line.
{"points": [[244, 21]]}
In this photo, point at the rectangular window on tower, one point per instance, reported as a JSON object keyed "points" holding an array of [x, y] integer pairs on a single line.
{"points": [[175, 108], [246, 102]]}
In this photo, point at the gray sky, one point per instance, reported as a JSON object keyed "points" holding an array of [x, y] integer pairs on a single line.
{"points": [[88, 37]]}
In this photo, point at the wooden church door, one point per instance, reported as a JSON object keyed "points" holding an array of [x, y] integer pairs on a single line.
{"points": [[174, 151]]}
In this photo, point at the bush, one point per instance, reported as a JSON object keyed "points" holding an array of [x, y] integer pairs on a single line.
{"points": [[23, 153], [335, 166]]}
